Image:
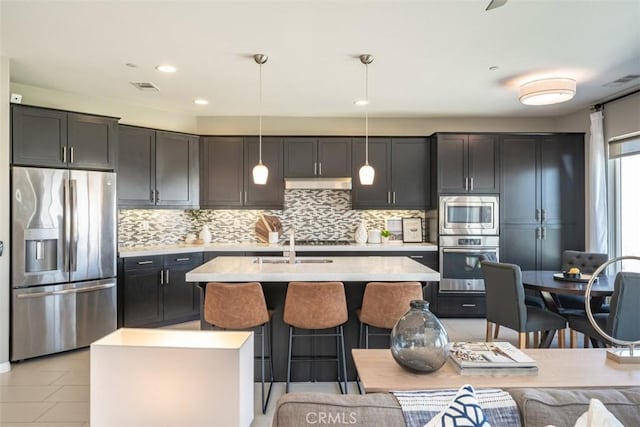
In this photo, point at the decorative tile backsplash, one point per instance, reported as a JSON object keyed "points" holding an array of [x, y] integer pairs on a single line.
{"points": [[315, 214]]}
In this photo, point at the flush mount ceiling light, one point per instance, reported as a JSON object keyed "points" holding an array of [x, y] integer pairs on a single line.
{"points": [[200, 101], [260, 171], [166, 68], [547, 91], [367, 173]]}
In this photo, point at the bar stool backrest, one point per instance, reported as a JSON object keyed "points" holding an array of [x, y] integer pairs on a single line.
{"points": [[384, 303], [235, 305], [315, 305]]}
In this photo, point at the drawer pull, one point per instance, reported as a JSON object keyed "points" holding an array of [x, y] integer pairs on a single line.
{"points": [[182, 259], [468, 305], [416, 256], [144, 262]]}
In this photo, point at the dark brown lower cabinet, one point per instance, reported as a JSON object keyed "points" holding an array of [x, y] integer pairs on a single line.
{"points": [[156, 292]]}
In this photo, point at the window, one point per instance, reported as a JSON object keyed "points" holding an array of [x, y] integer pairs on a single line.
{"points": [[629, 205]]}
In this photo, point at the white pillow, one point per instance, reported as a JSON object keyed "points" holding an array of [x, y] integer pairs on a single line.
{"points": [[597, 416], [463, 411]]}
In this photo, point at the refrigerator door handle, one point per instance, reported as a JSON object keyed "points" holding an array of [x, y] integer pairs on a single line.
{"points": [[67, 225], [65, 291], [73, 249]]}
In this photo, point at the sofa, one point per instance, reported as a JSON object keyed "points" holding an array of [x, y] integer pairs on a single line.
{"points": [[536, 406]]}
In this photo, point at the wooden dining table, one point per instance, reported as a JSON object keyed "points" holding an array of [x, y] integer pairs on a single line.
{"points": [[549, 287]]}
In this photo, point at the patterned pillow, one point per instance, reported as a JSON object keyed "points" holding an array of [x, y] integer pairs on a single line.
{"points": [[420, 406], [464, 410]]}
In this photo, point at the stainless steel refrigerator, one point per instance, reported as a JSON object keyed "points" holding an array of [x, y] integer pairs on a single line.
{"points": [[63, 259]]}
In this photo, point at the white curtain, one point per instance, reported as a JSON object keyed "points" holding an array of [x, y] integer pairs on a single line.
{"points": [[596, 181]]}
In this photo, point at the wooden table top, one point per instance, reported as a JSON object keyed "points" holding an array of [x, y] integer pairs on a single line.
{"points": [[543, 280], [575, 367]]}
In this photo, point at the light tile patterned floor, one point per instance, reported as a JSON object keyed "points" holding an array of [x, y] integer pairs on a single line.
{"points": [[53, 391]]}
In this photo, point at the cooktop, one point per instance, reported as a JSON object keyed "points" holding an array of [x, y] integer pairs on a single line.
{"points": [[316, 242]]}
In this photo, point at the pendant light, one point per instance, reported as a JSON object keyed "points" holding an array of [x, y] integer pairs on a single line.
{"points": [[260, 171], [366, 171]]}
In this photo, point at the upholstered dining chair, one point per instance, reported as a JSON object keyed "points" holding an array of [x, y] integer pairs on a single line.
{"points": [[623, 320], [587, 262], [506, 307]]}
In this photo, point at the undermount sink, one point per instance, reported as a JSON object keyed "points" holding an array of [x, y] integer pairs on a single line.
{"points": [[297, 261]]}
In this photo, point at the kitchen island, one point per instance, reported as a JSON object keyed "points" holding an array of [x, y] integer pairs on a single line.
{"points": [[276, 272], [344, 269]]}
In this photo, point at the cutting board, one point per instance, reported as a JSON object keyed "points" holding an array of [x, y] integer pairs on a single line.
{"points": [[264, 225]]}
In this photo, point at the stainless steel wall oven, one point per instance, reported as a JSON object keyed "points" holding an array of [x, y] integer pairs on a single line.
{"points": [[460, 258]]}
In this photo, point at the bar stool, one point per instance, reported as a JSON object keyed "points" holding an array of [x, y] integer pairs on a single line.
{"points": [[242, 306], [383, 304], [315, 306]]}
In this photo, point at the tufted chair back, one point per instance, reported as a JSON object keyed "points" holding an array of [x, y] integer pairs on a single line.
{"points": [[587, 262]]}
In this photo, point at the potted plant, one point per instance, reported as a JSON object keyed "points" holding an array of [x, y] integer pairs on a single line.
{"points": [[385, 235]]}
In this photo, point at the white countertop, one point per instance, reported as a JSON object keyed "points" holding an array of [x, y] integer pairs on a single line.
{"points": [[262, 247], [345, 269]]}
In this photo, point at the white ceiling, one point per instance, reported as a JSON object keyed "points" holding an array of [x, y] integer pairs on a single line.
{"points": [[432, 57]]}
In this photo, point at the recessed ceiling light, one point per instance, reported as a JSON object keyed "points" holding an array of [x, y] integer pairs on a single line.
{"points": [[166, 68], [361, 102], [200, 101]]}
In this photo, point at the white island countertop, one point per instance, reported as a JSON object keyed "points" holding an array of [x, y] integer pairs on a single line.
{"points": [[345, 269], [150, 250]]}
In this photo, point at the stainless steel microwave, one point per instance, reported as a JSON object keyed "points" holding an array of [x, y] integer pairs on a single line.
{"points": [[464, 215]]}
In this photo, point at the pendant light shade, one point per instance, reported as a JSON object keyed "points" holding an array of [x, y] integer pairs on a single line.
{"points": [[260, 174], [367, 173], [260, 171]]}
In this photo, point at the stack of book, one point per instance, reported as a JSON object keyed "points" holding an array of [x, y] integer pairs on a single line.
{"points": [[491, 358]]}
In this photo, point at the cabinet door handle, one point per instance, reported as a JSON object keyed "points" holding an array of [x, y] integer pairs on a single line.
{"points": [[471, 184], [544, 233], [394, 197], [537, 233], [466, 183], [315, 168], [71, 154], [241, 197], [151, 196], [544, 215], [145, 262], [157, 196], [320, 168], [182, 259], [64, 155], [388, 197], [245, 197], [537, 215], [468, 305], [166, 273], [162, 277]]}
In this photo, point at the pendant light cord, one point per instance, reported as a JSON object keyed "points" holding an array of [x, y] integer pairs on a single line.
{"points": [[260, 120], [366, 114]]}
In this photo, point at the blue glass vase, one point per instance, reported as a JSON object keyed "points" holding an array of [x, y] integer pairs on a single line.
{"points": [[419, 341]]}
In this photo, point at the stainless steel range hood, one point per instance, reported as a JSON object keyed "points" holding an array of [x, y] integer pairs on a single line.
{"points": [[343, 183]]}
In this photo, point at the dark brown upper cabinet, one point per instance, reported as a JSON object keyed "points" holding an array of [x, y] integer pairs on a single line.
{"points": [[306, 157], [226, 173], [467, 163], [157, 168], [54, 138], [541, 199], [401, 180]]}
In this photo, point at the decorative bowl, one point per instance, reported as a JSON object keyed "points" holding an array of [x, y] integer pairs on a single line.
{"points": [[568, 275]]}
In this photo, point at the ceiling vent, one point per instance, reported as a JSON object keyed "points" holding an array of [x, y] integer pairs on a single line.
{"points": [[622, 80], [146, 86]]}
